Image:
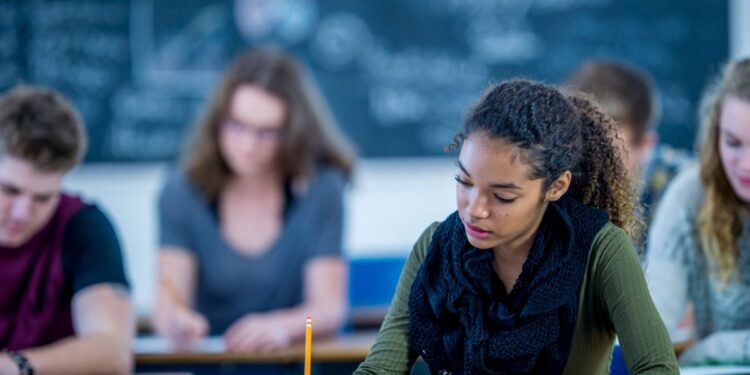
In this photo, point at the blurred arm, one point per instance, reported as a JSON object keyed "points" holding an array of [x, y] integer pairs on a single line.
{"points": [[174, 317], [104, 324]]}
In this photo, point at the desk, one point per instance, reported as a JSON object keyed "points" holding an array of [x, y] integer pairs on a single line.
{"points": [[345, 351]]}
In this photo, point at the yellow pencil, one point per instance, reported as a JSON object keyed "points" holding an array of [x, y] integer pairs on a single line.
{"points": [[308, 345]]}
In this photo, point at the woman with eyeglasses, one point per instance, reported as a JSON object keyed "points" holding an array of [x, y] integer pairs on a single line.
{"points": [[251, 224]]}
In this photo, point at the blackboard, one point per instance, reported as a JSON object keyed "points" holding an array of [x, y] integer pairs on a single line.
{"points": [[398, 74]]}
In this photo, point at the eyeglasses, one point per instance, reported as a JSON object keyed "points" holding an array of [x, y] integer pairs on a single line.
{"points": [[263, 133]]}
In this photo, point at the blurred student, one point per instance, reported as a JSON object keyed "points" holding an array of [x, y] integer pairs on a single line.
{"points": [[251, 225], [699, 246], [65, 307], [535, 272], [627, 95]]}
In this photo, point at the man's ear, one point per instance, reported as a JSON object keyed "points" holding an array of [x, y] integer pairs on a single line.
{"points": [[559, 187]]}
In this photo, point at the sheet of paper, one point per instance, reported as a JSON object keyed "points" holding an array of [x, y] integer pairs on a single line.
{"points": [[715, 370], [159, 345]]}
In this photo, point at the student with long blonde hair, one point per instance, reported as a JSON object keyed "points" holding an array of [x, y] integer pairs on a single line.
{"points": [[699, 244]]}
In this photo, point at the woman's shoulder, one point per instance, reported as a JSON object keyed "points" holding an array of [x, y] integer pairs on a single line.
{"points": [[178, 187], [684, 194], [423, 242], [672, 232], [611, 245], [329, 176], [611, 250], [611, 237], [428, 232], [324, 179]]}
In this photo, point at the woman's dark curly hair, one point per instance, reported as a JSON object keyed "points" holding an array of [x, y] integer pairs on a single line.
{"points": [[554, 133]]}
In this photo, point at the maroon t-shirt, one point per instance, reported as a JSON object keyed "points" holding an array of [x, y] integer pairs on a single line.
{"points": [[77, 248]]}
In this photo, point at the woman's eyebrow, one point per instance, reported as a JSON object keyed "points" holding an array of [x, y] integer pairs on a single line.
{"points": [[498, 185]]}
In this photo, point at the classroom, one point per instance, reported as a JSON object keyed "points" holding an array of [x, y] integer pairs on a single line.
{"points": [[374, 187]]}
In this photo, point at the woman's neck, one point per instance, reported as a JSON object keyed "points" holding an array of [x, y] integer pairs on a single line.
{"points": [[519, 246], [515, 251], [260, 182], [509, 257]]}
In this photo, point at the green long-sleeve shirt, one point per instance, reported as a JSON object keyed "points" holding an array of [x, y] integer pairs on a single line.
{"points": [[614, 300]]}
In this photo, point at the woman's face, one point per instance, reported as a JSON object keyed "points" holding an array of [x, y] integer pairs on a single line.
{"points": [[734, 144], [497, 202], [250, 136]]}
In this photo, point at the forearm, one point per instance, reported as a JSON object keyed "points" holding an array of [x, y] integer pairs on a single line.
{"points": [[103, 322], [390, 354], [91, 354], [325, 299], [667, 284], [645, 342], [166, 308], [7, 366], [324, 302], [327, 318], [177, 270]]}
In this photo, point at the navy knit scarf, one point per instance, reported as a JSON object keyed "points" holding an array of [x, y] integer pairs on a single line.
{"points": [[462, 320]]}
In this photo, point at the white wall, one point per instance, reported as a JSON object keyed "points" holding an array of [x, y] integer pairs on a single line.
{"points": [[388, 206], [739, 28]]}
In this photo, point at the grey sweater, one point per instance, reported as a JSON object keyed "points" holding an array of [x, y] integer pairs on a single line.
{"points": [[231, 284], [678, 273]]}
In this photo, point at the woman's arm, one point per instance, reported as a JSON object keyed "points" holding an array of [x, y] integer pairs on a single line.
{"points": [[622, 291], [174, 317], [670, 242], [667, 282], [325, 301], [391, 354]]}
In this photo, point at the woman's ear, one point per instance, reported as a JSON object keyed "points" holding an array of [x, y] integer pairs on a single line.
{"points": [[559, 187]]}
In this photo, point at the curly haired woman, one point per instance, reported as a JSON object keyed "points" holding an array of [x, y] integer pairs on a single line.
{"points": [[535, 272]]}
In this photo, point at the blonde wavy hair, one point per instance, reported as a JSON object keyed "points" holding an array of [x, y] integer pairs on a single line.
{"points": [[719, 222]]}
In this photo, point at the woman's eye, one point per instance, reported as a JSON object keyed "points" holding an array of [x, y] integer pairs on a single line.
{"points": [[460, 181], [505, 200], [733, 143]]}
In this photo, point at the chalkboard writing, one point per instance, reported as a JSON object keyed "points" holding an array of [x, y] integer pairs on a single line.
{"points": [[398, 74]]}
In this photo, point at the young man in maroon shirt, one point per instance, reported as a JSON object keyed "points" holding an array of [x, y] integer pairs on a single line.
{"points": [[65, 306]]}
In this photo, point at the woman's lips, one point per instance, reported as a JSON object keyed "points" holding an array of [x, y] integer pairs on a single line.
{"points": [[14, 228], [476, 232], [744, 181]]}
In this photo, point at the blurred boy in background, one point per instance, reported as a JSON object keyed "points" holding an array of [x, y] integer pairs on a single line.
{"points": [[627, 95]]}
